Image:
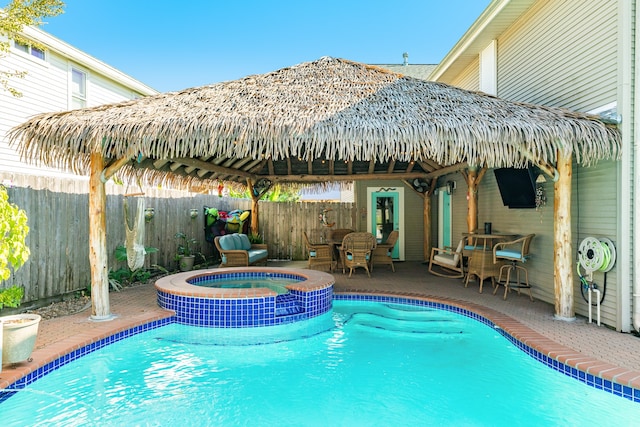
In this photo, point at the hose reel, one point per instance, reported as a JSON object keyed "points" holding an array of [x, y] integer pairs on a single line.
{"points": [[595, 254]]}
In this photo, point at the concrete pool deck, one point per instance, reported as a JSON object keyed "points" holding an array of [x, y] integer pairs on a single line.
{"points": [[596, 349]]}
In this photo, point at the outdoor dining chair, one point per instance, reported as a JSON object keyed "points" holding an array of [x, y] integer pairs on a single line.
{"points": [[319, 254], [357, 249], [382, 254]]}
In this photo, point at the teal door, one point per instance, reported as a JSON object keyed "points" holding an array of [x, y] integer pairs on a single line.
{"points": [[444, 219], [385, 207]]}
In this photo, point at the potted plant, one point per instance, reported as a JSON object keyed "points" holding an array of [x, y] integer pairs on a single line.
{"points": [[185, 252], [18, 332]]}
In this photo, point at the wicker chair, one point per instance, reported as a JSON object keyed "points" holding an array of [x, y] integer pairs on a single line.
{"points": [[382, 252], [449, 261], [319, 254], [357, 249], [335, 238], [513, 252]]}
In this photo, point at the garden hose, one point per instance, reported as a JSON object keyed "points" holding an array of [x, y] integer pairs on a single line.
{"points": [[595, 255]]}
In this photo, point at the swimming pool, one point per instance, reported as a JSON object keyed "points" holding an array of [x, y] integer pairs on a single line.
{"points": [[366, 363]]}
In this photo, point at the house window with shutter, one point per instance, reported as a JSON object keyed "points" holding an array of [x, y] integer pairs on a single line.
{"points": [[78, 89]]}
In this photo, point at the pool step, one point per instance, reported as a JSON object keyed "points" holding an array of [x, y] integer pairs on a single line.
{"points": [[287, 304]]}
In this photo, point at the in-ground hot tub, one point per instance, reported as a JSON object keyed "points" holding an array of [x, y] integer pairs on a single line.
{"points": [[199, 298]]}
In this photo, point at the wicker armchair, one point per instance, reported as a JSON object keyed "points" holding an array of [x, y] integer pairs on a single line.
{"points": [[319, 254], [382, 252], [357, 249]]}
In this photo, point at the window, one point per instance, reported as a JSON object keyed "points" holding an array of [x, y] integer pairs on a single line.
{"points": [[78, 89], [29, 50]]}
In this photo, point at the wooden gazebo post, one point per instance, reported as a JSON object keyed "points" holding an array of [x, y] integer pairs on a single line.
{"points": [[100, 308], [562, 248], [98, 258], [255, 207], [473, 178]]}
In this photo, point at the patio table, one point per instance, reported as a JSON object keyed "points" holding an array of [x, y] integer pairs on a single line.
{"points": [[481, 261]]}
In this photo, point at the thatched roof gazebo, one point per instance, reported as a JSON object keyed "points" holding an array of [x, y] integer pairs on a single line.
{"points": [[327, 121]]}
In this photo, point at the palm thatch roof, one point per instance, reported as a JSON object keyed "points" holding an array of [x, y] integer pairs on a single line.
{"points": [[321, 121]]}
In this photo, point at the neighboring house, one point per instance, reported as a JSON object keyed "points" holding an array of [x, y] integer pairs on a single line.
{"points": [[59, 78], [579, 55]]}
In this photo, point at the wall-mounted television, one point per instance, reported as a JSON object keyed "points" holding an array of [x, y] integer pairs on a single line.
{"points": [[517, 187]]}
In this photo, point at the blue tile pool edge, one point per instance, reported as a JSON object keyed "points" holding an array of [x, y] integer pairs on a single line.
{"points": [[591, 380], [78, 353]]}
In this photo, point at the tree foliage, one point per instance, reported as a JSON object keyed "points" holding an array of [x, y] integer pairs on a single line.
{"points": [[13, 234], [13, 18]]}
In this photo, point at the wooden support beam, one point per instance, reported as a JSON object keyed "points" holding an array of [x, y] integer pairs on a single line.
{"points": [[114, 167], [212, 167], [340, 178], [392, 165], [98, 259], [562, 247], [446, 170]]}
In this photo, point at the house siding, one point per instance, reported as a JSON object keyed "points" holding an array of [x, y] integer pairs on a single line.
{"points": [[45, 88], [470, 77], [411, 215], [564, 54]]}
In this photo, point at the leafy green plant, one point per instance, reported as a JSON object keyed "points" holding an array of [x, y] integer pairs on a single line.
{"points": [[122, 276], [11, 297], [14, 251], [255, 238], [185, 245]]}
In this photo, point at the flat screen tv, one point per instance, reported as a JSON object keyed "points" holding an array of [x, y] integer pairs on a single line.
{"points": [[517, 187]]}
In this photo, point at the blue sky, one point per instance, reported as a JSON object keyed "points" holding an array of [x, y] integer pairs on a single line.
{"points": [[175, 45]]}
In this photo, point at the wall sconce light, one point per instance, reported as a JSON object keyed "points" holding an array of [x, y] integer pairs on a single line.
{"points": [[149, 213], [193, 213]]}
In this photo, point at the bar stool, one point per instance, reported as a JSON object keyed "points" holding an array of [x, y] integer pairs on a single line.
{"points": [[513, 252]]}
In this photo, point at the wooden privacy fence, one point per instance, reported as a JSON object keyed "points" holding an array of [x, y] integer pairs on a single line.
{"points": [[58, 238]]}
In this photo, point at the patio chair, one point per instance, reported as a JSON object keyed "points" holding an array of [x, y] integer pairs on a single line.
{"points": [[357, 249], [382, 252], [513, 252], [448, 260], [335, 240], [319, 254]]}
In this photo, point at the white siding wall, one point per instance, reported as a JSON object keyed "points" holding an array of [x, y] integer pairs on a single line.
{"points": [[45, 89], [470, 78], [561, 53]]}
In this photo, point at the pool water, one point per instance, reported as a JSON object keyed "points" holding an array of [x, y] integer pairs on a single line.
{"points": [[364, 364], [277, 285]]}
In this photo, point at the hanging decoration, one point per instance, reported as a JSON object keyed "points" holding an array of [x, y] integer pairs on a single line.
{"points": [[220, 188], [324, 218], [541, 197]]}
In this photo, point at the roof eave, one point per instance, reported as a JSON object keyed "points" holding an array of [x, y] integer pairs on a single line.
{"points": [[496, 18], [88, 61]]}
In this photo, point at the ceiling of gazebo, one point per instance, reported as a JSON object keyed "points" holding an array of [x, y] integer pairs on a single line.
{"points": [[317, 122]]}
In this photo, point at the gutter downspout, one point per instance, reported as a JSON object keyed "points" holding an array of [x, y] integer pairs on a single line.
{"points": [[630, 100]]}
